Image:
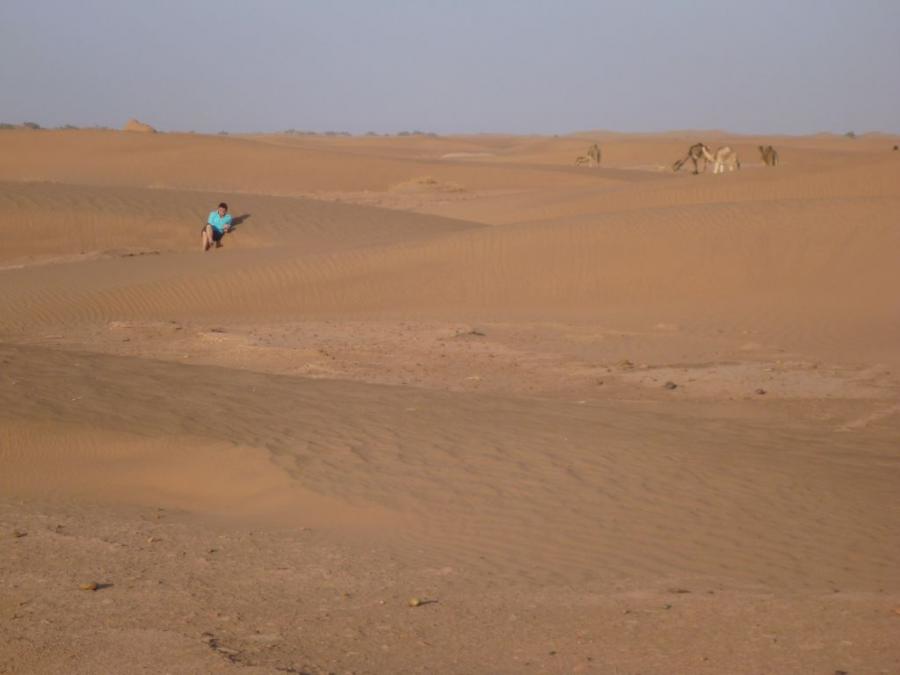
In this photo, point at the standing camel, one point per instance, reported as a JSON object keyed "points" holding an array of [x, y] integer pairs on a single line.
{"points": [[769, 155], [695, 153], [723, 157]]}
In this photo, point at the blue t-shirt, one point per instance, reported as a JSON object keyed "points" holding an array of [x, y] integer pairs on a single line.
{"points": [[219, 222]]}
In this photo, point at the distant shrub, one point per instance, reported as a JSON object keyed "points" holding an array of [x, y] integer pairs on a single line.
{"points": [[371, 133], [223, 133], [31, 125], [4, 125], [404, 133], [850, 134], [68, 126]]}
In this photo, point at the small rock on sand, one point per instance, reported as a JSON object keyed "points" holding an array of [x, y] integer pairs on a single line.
{"points": [[670, 385], [89, 586]]}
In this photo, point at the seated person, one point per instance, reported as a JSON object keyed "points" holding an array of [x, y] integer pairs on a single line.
{"points": [[218, 223]]}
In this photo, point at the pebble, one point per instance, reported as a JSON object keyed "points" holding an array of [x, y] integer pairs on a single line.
{"points": [[18, 534], [760, 392], [670, 385], [414, 602], [89, 586]]}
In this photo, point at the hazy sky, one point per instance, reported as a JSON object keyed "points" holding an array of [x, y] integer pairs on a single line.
{"points": [[789, 66]]}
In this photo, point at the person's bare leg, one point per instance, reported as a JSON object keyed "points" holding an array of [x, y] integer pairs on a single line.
{"points": [[222, 236], [207, 238]]}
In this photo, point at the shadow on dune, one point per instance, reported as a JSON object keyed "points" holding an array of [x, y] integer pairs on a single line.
{"points": [[237, 220]]}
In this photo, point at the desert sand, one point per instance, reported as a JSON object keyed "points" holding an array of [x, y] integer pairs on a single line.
{"points": [[594, 420]]}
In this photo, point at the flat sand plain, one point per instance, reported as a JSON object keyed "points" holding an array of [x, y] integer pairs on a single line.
{"points": [[596, 420]]}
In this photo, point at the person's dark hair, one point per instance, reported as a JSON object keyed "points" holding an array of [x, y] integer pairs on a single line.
{"points": [[223, 205]]}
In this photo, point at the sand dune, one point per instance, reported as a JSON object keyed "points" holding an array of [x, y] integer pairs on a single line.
{"points": [[597, 414], [188, 161], [138, 126], [751, 264], [511, 467], [47, 221]]}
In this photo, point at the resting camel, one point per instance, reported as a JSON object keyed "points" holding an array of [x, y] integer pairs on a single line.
{"points": [[724, 157], [696, 152], [592, 158], [769, 155]]}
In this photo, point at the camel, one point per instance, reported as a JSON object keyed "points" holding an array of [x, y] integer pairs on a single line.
{"points": [[591, 158], [769, 155], [696, 152], [724, 157]]}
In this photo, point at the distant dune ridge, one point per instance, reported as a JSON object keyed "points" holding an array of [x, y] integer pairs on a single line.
{"points": [[585, 419], [136, 125]]}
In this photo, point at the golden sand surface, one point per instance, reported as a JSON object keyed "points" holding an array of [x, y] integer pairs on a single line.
{"points": [[607, 419]]}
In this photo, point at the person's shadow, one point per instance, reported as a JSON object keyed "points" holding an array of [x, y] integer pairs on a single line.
{"points": [[237, 220]]}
